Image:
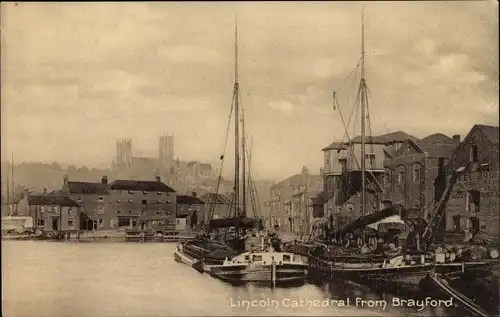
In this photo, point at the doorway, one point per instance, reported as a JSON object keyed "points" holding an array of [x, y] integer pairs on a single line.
{"points": [[55, 224]]}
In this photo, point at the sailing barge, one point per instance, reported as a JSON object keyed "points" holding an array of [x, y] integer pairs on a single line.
{"points": [[243, 252]]}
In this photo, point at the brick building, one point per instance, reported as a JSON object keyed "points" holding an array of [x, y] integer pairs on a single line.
{"points": [[122, 203], [281, 195], [55, 212], [150, 203], [414, 172], [93, 197], [474, 202], [342, 172]]}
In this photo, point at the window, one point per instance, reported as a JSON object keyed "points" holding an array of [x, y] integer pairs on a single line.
{"points": [[473, 201], [416, 172], [401, 176], [55, 209], [41, 222], [257, 258], [371, 159], [70, 223], [177, 222], [159, 202], [100, 221], [158, 212], [473, 154], [118, 211], [123, 222], [42, 209], [129, 212], [144, 202]]}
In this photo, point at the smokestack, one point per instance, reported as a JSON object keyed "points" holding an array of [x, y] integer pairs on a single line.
{"points": [[158, 179], [104, 180], [456, 139]]}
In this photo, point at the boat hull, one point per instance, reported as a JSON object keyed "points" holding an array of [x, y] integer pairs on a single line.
{"points": [[243, 273], [447, 291], [465, 267]]}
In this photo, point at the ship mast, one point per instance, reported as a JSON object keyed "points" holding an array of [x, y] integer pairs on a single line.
{"points": [[236, 125], [362, 91]]}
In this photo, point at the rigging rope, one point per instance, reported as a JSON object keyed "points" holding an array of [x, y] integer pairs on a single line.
{"points": [[211, 197]]}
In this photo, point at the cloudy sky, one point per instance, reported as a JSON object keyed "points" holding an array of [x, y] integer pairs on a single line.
{"points": [[77, 76]]}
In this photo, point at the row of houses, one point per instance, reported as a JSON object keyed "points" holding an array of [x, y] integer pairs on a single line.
{"points": [[120, 204], [404, 170]]}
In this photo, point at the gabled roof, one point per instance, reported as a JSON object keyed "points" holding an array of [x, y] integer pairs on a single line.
{"points": [[189, 200], [491, 132], [87, 188], [147, 186], [432, 149], [437, 138], [49, 200]]}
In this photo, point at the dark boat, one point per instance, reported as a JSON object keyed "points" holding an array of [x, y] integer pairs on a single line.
{"points": [[441, 283]]}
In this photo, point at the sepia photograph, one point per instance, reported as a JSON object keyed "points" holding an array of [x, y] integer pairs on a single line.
{"points": [[250, 158]]}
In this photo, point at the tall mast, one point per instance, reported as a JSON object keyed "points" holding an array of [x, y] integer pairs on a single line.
{"points": [[363, 115], [243, 164], [236, 123]]}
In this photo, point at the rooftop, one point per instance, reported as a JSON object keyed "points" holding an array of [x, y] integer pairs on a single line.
{"points": [[51, 200], [87, 188], [491, 132], [146, 186]]}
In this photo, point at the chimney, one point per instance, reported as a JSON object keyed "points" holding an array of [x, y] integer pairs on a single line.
{"points": [[194, 194], [104, 180], [456, 139], [158, 179]]}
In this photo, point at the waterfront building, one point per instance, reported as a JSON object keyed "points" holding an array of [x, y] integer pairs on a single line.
{"points": [[192, 209], [152, 204], [281, 196], [55, 212], [94, 200], [474, 202], [342, 175], [414, 172]]}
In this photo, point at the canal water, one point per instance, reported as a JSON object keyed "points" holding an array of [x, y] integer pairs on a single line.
{"points": [[132, 279]]}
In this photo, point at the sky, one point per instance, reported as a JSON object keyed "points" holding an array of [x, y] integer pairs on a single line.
{"points": [[78, 76]]}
